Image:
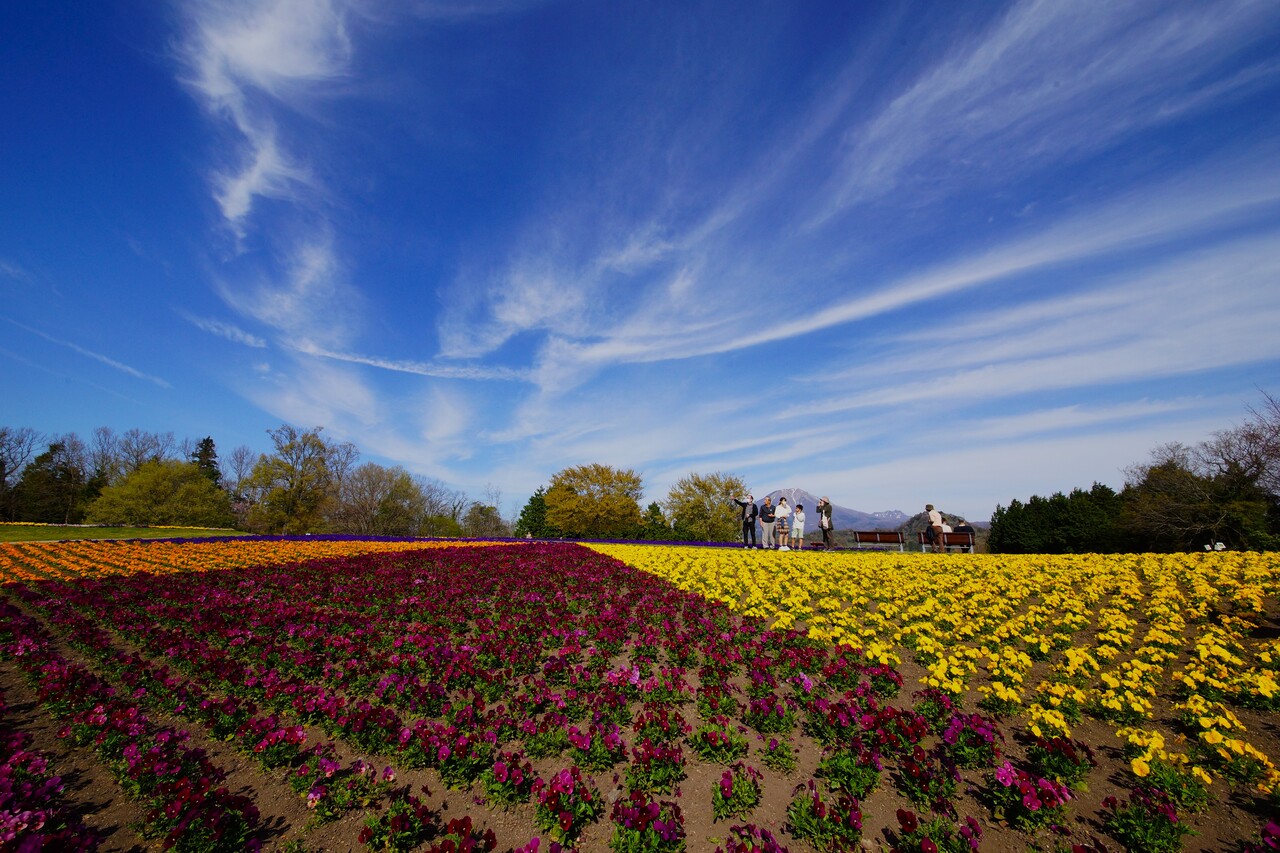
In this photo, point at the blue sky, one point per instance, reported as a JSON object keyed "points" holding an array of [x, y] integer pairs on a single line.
{"points": [[893, 253]]}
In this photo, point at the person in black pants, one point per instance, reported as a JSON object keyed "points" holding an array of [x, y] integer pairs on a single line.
{"points": [[824, 522], [749, 513]]}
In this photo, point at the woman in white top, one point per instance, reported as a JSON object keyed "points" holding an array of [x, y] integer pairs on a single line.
{"points": [[783, 514]]}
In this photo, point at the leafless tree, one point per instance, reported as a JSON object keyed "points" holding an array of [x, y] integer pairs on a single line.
{"points": [[74, 454], [1217, 491], [138, 447], [439, 500], [105, 455], [341, 459], [236, 467], [17, 448], [378, 500]]}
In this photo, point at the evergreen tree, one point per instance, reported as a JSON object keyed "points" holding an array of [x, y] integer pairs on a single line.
{"points": [[533, 518], [206, 459], [53, 489], [1078, 523], [654, 527]]}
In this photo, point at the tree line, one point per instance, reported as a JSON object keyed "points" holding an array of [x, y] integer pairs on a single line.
{"points": [[307, 484], [1223, 490]]}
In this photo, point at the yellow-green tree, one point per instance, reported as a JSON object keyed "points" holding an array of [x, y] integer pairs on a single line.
{"points": [[700, 507], [595, 502], [165, 492]]}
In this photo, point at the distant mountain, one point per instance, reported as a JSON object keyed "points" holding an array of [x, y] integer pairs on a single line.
{"points": [[842, 518]]}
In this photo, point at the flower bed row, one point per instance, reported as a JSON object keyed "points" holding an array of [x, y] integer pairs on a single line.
{"points": [[33, 815], [178, 786]]}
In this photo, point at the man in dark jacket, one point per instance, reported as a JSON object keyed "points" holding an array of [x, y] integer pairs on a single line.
{"points": [[749, 512]]}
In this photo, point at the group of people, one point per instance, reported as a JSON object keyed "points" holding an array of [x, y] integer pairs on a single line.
{"points": [[938, 526], [781, 528]]}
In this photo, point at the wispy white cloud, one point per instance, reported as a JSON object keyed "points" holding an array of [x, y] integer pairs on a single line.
{"points": [[969, 477], [8, 269], [224, 330], [1070, 419], [99, 357], [1175, 211], [1197, 312], [313, 393], [44, 368], [686, 314], [1052, 80], [454, 11], [243, 56], [442, 370], [310, 302]]}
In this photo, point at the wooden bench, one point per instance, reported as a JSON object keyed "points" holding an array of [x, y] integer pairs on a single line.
{"points": [[963, 541], [879, 538]]}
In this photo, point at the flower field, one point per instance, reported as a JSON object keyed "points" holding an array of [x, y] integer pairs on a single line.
{"points": [[322, 694]]}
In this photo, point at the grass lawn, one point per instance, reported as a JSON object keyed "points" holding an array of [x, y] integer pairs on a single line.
{"points": [[53, 532]]}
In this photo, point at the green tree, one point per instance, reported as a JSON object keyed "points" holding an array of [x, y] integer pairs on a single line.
{"points": [[701, 507], [167, 492], [484, 521], [289, 490], [439, 525], [653, 525], [1179, 503], [1078, 523], [206, 459], [595, 502], [55, 487], [533, 518]]}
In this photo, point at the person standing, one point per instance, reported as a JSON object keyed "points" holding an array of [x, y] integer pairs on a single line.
{"points": [[767, 520], [824, 521], [797, 528], [749, 512], [935, 526], [783, 514]]}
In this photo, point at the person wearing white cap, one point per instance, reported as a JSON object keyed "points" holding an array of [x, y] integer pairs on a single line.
{"points": [[749, 512], [824, 521]]}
